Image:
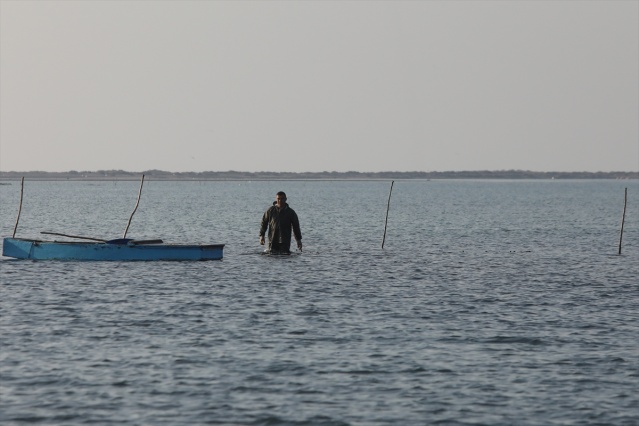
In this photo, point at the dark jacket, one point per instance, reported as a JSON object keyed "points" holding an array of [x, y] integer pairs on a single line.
{"points": [[279, 224]]}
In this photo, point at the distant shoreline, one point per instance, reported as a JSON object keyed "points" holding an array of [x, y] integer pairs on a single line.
{"points": [[159, 175]]}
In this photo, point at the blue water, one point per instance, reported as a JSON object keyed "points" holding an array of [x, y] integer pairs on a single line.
{"points": [[492, 302]]}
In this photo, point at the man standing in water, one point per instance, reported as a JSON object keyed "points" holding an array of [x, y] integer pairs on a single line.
{"points": [[280, 219]]}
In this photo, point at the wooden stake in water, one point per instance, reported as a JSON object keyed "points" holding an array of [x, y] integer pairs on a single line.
{"points": [[623, 218], [136, 207], [387, 208], [15, 228]]}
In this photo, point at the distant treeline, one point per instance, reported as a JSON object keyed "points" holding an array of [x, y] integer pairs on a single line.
{"points": [[234, 175]]}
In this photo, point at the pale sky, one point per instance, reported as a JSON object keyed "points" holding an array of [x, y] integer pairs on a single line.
{"points": [[319, 85]]}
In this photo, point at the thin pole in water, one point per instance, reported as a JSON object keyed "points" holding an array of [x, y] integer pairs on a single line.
{"points": [[136, 207], [387, 208], [15, 228], [623, 218]]}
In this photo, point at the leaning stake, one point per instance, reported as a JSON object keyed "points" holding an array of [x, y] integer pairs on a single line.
{"points": [[623, 218], [387, 208], [15, 228], [136, 207]]}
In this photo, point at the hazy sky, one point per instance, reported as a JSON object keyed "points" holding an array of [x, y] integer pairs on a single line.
{"points": [[319, 85]]}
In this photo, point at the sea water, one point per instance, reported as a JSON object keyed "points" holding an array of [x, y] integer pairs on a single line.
{"points": [[491, 302]]}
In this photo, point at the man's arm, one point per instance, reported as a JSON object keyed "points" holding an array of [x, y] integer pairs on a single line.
{"points": [[296, 230], [264, 226]]}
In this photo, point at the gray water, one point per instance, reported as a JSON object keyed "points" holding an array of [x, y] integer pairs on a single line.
{"points": [[492, 302]]}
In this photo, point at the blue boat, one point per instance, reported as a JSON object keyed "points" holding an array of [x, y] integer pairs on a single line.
{"points": [[122, 249], [114, 250]]}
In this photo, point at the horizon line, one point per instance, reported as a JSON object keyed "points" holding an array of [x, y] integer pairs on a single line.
{"points": [[320, 172]]}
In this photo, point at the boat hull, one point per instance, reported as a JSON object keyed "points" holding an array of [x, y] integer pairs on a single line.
{"points": [[103, 251]]}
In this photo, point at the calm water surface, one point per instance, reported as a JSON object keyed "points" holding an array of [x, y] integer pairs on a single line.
{"points": [[492, 302]]}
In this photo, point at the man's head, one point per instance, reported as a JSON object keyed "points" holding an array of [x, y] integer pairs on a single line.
{"points": [[280, 199]]}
